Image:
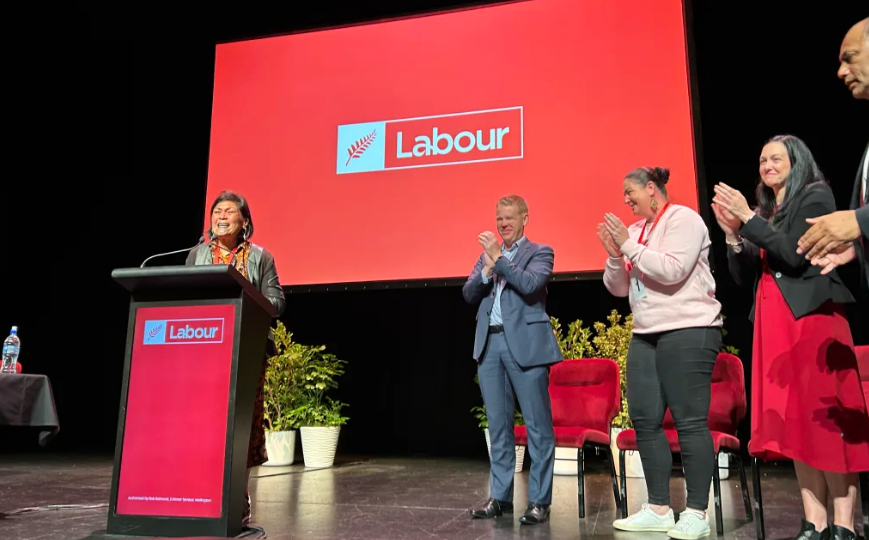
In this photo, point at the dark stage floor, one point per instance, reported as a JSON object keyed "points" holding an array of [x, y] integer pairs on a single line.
{"points": [[369, 499]]}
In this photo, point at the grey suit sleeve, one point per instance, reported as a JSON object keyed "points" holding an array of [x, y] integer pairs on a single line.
{"points": [[474, 288], [863, 220], [270, 284], [534, 277], [191, 258]]}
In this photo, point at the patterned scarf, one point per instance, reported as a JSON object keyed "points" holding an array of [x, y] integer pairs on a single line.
{"points": [[237, 257]]}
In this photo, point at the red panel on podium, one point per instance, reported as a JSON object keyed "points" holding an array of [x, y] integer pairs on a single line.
{"points": [[172, 459]]}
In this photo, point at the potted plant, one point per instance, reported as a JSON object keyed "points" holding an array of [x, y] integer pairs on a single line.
{"points": [[317, 414], [518, 420], [280, 396]]}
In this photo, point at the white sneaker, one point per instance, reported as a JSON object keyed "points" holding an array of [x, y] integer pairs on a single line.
{"points": [[691, 526], [646, 520]]}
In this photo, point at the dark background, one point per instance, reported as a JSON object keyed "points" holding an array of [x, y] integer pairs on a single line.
{"points": [[107, 153]]}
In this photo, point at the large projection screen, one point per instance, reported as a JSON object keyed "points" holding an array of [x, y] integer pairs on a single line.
{"points": [[377, 152]]}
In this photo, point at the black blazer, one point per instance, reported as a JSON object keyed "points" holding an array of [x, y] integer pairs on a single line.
{"points": [[802, 285], [862, 211]]}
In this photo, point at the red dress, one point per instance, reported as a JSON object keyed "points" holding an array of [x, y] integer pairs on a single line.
{"points": [[806, 398]]}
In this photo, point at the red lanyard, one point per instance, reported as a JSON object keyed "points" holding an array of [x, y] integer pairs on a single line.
{"points": [[652, 228], [628, 264]]}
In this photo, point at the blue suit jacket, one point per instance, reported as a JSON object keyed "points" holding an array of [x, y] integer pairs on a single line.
{"points": [[523, 305]]}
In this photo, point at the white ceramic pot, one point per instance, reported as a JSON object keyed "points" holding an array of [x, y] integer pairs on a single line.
{"points": [[281, 447], [520, 452], [723, 463], [565, 461], [319, 445]]}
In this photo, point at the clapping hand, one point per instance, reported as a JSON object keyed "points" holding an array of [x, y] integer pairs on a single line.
{"points": [[616, 229], [727, 221], [828, 234], [608, 243], [733, 201], [839, 256], [491, 249]]}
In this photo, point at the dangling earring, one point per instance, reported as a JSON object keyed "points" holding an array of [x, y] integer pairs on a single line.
{"points": [[244, 235], [654, 205]]}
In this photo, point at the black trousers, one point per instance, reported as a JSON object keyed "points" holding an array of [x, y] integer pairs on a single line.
{"points": [[673, 370]]}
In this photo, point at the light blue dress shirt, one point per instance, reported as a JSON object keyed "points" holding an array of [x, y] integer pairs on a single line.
{"points": [[495, 318]]}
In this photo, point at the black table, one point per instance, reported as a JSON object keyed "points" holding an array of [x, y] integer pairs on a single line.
{"points": [[27, 400]]}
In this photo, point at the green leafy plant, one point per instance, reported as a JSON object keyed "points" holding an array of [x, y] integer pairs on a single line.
{"points": [[298, 380], [281, 392]]}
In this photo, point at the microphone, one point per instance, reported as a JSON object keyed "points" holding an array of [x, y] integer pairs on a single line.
{"points": [[201, 240]]}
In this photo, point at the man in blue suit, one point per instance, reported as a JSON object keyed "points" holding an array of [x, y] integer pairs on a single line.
{"points": [[514, 348]]}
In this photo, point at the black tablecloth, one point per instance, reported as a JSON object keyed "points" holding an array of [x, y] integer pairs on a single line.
{"points": [[27, 400]]}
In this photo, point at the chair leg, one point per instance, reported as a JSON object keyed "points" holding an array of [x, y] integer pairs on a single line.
{"points": [[609, 453], [580, 481], [864, 496], [716, 489], [744, 484], [623, 479], [758, 499]]}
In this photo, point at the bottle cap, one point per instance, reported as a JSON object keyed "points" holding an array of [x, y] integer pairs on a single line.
{"points": [[14, 329]]}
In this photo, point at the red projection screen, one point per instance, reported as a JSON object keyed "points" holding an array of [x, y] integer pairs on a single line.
{"points": [[377, 152]]}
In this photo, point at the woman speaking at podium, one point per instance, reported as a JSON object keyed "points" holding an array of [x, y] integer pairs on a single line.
{"points": [[231, 230]]}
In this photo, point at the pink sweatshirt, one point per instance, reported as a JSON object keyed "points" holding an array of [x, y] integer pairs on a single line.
{"points": [[670, 285]]}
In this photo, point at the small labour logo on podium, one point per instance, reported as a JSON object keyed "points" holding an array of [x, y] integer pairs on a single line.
{"points": [[183, 331]]}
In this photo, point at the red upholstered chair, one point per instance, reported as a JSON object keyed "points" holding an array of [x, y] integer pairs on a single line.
{"points": [[727, 408], [863, 368], [586, 396], [18, 368]]}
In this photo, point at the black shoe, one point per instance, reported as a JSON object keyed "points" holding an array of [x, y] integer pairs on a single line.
{"points": [[536, 513], [493, 508], [808, 532], [841, 533]]}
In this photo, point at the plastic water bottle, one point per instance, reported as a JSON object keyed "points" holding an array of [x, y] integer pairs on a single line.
{"points": [[11, 347]]}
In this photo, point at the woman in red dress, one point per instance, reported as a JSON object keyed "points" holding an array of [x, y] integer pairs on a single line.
{"points": [[807, 403]]}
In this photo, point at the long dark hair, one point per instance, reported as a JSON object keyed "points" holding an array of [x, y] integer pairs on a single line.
{"points": [[804, 173], [243, 208]]}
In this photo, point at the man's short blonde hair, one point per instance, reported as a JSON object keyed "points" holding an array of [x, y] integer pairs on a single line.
{"points": [[514, 200]]}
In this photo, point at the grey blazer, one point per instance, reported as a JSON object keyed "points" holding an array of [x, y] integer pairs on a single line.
{"points": [[261, 271], [523, 305]]}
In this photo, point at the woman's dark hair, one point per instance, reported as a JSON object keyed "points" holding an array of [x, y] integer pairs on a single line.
{"points": [[804, 173], [644, 175], [241, 202]]}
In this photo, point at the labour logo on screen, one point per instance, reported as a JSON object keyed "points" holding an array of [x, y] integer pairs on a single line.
{"points": [[183, 331], [430, 141]]}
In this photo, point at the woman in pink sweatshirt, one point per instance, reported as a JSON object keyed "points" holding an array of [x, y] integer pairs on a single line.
{"points": [[661, 263]]}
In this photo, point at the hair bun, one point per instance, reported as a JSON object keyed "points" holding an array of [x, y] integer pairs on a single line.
{"points": [[662, 174]]}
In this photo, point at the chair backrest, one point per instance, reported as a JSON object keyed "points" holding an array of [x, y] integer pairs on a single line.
{"points": [[727, 405], [18, 368], [863, 367], [585, 393]]}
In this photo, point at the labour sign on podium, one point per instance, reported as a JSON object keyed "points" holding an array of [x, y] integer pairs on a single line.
{"points": [[195, 347]]}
